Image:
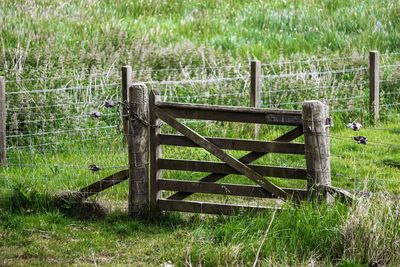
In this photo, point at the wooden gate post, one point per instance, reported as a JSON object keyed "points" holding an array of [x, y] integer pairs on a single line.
{"points": [[374, 86], [3, 116], [255, 89], [138, 149], [155, 152], [317, 152]]}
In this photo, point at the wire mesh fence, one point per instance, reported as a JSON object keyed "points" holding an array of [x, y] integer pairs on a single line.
{"points": [[58, 127]]}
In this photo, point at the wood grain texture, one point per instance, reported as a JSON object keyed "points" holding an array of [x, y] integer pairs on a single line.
{"points": [[233, 114], [224, 189], [220, 154], [236, 144], [138, 149], [317, 144], [223, 168], [105, 183], [155, 151], [248, 158], [209, 208]]}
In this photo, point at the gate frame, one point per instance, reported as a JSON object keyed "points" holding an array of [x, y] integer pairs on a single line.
{"points": [[142, 129], [316, 149]]}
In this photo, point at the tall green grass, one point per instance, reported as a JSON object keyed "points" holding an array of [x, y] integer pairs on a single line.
{"points": [[48, 44], [50, 36], [366, 233]]}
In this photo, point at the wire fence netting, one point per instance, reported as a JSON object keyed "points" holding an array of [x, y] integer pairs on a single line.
{"points": [[58, 127]]}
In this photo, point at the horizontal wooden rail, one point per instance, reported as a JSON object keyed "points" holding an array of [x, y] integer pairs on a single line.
{"points": [[105, 183], [224, 189], [236, 144], [234, 114], [248, 158], [223, 168], [204, 207]]}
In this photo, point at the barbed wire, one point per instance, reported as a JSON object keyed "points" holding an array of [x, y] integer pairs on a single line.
{"points": [[12, 148], [62, 89], [67, 166], [191, 81], [390, 66], [59, 77], [345, 138], [24, 107], [302, 74], [57, 119], [61, 131], [279, 90], [43, 144], [309, 61]]}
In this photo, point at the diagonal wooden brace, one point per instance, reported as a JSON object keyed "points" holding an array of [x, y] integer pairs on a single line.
{"points": [[220, 154], [248, 158], [103, 184]]}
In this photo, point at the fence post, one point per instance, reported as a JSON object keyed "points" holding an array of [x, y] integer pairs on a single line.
{"points": [[155, 152], [374, 86], [138, 149], [3, 116], [126, 82], [255, 89], [316, 123]]}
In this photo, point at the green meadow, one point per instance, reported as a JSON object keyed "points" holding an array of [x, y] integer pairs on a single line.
{"points": [[62, 59]]}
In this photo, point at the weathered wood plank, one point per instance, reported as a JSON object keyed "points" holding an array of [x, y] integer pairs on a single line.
{"points": [[155, 151], [220, 154], [236, 144], [223, 168], [338, 192], [105, 183], [248, 158], [138, 149], [224, 189], [233, 114], [209, 208]]}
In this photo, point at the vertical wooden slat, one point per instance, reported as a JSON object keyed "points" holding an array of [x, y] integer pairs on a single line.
{"points": [[126, 82], [255, 89], [155, 151], [374, 86], [138, 149], [3, 116], [317, 147], [255, 83]]}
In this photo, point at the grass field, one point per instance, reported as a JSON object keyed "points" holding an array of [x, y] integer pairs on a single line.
{"points": [[61, 60]]}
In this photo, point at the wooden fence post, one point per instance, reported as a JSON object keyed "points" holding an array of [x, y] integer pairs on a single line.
{"points": [[126, 83], [3, 116], [317, 152], [255, 89], [138, 149], [374, 86], [155, 152]]}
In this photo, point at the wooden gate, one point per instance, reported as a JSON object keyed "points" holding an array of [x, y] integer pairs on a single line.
{"points": [[170, 112], [143, 114]]}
